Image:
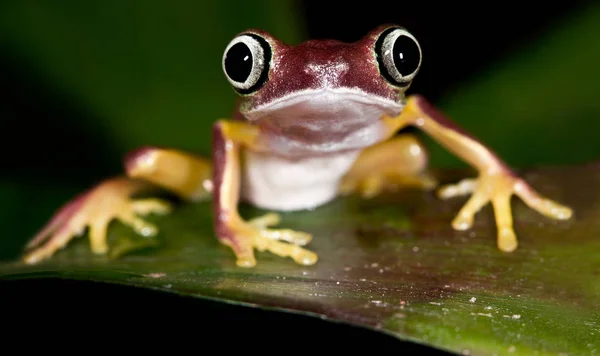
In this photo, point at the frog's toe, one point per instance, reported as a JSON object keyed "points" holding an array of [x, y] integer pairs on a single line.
{"points": [[245, 251], [541, 204], [464, 218], [272, 219], [463, 187], [267, 220], [294, 237], [246, 237], [150, 206], [55, 242], [300, 255], [498, 189], [68, 222]]}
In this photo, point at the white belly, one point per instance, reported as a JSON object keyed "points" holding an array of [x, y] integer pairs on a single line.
{"points": [[276, 183]]}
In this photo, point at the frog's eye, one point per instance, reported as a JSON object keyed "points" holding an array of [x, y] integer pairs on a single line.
{"points": [[246, 62], [398, 55]]}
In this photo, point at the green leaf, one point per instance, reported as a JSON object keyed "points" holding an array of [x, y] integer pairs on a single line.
{"points": [[393, 264]]}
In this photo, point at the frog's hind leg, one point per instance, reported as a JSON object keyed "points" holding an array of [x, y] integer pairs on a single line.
{"points": [[395, 163], [180, 173], [184, 174]]}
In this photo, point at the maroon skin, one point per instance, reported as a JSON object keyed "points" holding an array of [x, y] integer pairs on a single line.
{"points": [[292, 65], [430, 110]]}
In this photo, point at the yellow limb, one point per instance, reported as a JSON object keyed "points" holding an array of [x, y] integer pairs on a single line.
{"points": [[95, 210], [245, 236], [496, 183], [184, 174], [395, 163], [188, 176]]}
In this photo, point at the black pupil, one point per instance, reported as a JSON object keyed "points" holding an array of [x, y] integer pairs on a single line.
{"points": [[406, 55], [238, 62]]}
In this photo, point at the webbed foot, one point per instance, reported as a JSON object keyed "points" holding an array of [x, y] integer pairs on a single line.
{"points": [[95, 209], [498, 188], [246, 236]]}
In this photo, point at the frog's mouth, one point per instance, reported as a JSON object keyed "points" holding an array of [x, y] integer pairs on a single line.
{"points": [[329, 103], [324, 120]]}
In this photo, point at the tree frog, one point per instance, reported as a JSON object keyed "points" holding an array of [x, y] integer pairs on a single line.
{"points": [[312, 122]]}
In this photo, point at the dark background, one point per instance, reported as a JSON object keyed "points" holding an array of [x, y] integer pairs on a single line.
{"points": [[41, 125], [457, 40]]}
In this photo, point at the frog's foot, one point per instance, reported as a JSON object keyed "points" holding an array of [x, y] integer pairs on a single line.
{"points": [[245, 236], [95, 209], [396, 163], [498, 189], [374, 184]]}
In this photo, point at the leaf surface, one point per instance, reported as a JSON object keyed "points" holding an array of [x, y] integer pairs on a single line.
{"points": [[393, 264]]}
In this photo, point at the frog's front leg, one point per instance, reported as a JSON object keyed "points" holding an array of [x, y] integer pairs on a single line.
{"points": [[395, 163], [183, 174], [496, 182], [245, 236]]}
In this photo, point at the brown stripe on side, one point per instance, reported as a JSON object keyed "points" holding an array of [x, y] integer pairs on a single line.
{"points": [[430, 110], [225, 183]]}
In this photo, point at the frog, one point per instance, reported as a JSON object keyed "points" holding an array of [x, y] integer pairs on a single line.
{"points": [[312, 122]]}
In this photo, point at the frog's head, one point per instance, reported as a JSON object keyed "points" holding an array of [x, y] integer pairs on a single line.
{"points": [[319, 77]]}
